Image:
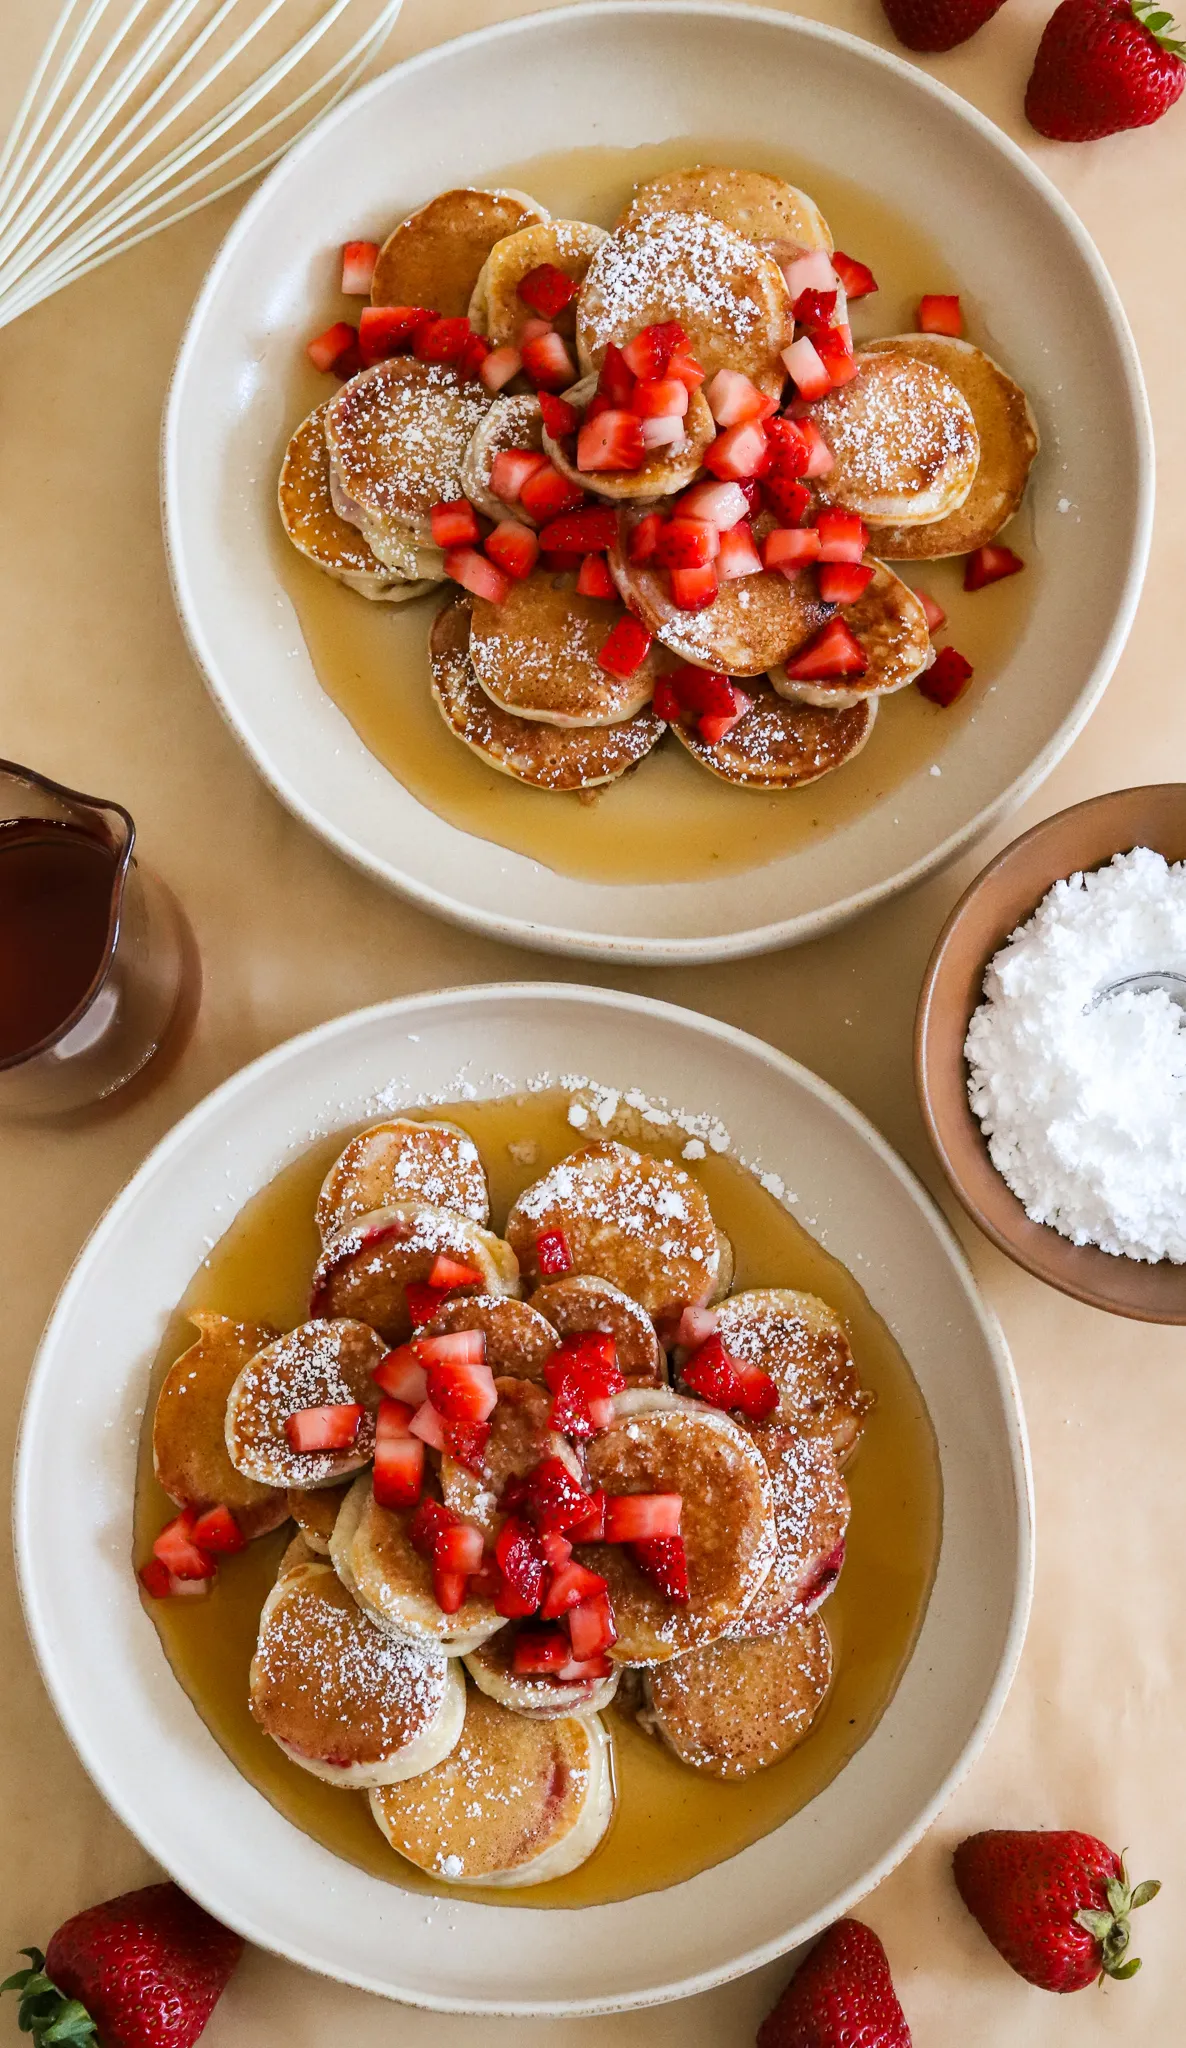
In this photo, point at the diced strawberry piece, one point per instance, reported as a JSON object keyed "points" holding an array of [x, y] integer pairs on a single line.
{"points": [[832, 651], [788, 449], [477, 574], [789, 547], [714, 726], [739, 452], [157, 1581], [946, 678], [546, 494], [554, 1499], [176, 1550], [842, 535], [820, 458], [688, 370], [721, 504], [499, 367], [466, 1444], [555, 1549], [711, 1372], [557, 562], [666, 702], [455, 1347], [547, 362], [430, 1518], [935, 614], [593, 1355], [644, 538], [539, 1651], [570, 1412], [664, 1559], [843, 582], [787, 500], [814, 308], [358, 268], [552, 1255], [560, 418], [533, 329], [598, 404], [739, 555], [815, 1590], [612, 441], [217, 1531], [687, 544], [693, 590], [834, 349], [459, 1548], [398, 1477], [594, 579], [423, 1301], [448, 1589], [547, 290], [401, 1375], [666, 433], [332, 1427], [660, 398], [592, 1528], [461, 1392], [472, 359], [988, 565], [579, 1671], [569, 1585], [757, 1392], [812, 272], [520, 1562], [449, 1272], [615, 381], [454, 525], [591, 1629], [857, 278], [653, 347], [326, 350], [940, 313], [635, 1517], [510, 470], [804, 364], [623, 655], [732, 399], [486, 1583], [703, 692], [442, 341], [428, 1426], [514, 547], [589, 531]]}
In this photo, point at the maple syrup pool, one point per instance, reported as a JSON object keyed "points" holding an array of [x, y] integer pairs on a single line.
{"points": [[669, 820], [670, 1821]]}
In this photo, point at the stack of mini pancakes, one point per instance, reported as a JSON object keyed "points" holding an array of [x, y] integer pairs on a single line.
{"points": [[477, 1771], [931, 445]]}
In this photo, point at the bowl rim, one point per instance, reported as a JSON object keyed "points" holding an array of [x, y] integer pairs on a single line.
{"points": [[575, 941], [1030, 1261], [91, 1748]]}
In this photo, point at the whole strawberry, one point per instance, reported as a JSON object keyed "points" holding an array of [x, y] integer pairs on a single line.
{"points": [[1102, 66], [1055, 1904], [937, 24], [145, 1970], [841, 1997]]}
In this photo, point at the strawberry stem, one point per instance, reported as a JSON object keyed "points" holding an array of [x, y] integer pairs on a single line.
{"points": [[53, 2020], [1111, 1929], [1153, 16]]}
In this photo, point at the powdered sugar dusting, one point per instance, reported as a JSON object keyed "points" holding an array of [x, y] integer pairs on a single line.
{"points": [[326, 1679]]}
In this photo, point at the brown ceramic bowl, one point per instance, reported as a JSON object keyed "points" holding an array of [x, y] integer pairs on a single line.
{"points": [[1002, 897]]}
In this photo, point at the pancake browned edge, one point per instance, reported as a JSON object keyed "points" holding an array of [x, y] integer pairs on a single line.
{"points": [[903, 439], [736, 1706], [779, 745], [322, 536], [891, 625], [752, 623], [527, 749], [765, 209], [434, 257], [405, 1160]]}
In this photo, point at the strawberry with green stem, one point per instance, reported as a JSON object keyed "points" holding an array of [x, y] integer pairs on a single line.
{"points": [[1054, 1903], [1104, 66]]}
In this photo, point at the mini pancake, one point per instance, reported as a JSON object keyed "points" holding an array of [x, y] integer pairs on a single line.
{"points": [[315, 1510], [496, 309], [778, 745], [521, 1436], [536, 655], [891, 625], [403, 1161], [554, 757], [540, 1697], [510, 423], [583, 1301], [329, 542], [435, 257], [345, 1700], [321, 1364], [665, 470], [766, 210], [729, 297], [517, 1802], [660, 1443], [397, 436], [374, 1557], [803, 1345], [189, 1451], [737, 1707], [811, 1510], [366, 1268], [1008, 444], [904, 440], [641, 1223], [519, 1341], [752, 624]]}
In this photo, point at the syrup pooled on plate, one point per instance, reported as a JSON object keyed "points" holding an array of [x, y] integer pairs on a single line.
{"points": [[670, 1822]]}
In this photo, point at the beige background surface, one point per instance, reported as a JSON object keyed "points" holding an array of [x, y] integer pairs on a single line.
{"points": [[98, 690]]}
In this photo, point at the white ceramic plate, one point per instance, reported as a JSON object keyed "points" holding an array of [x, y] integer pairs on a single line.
{"points": [[141, 1739], [618, 75]]}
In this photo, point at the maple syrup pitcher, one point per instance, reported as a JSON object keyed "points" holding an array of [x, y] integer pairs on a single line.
{"points": [[90, 948], [618, 1507]]}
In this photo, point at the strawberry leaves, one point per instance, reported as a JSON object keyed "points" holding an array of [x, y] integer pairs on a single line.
{"points": [[1111, 1929], [53, 2020], [1156, 20]]}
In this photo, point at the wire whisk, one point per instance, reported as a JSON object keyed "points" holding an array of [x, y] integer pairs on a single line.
{"points": [[127, 127]]}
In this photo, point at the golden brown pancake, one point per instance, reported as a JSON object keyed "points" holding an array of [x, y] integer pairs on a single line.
{"points": [[315, 1510], [659, 1443], [665, 470], [583, 1301], [519, 1342], [811, 1510], [496, 309], [765, 209], [365, 1270], [397, 436], [536, 655], [376, 1561], [189, 1452], [737, 1707], [403, 1161], [517, 1802], [891, 625], [803, 1345], [540, 1696], [510, 423], [904, 440], [570, 757], [521, 1436], [329, 542], [778, 745], [642, 1223], [435, 257], [1008, 445], [321, 1364], [729, 297], [753, 622], [348, 1701]]}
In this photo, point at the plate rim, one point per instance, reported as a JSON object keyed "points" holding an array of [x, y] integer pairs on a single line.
{"points": [[242, 1084]]}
